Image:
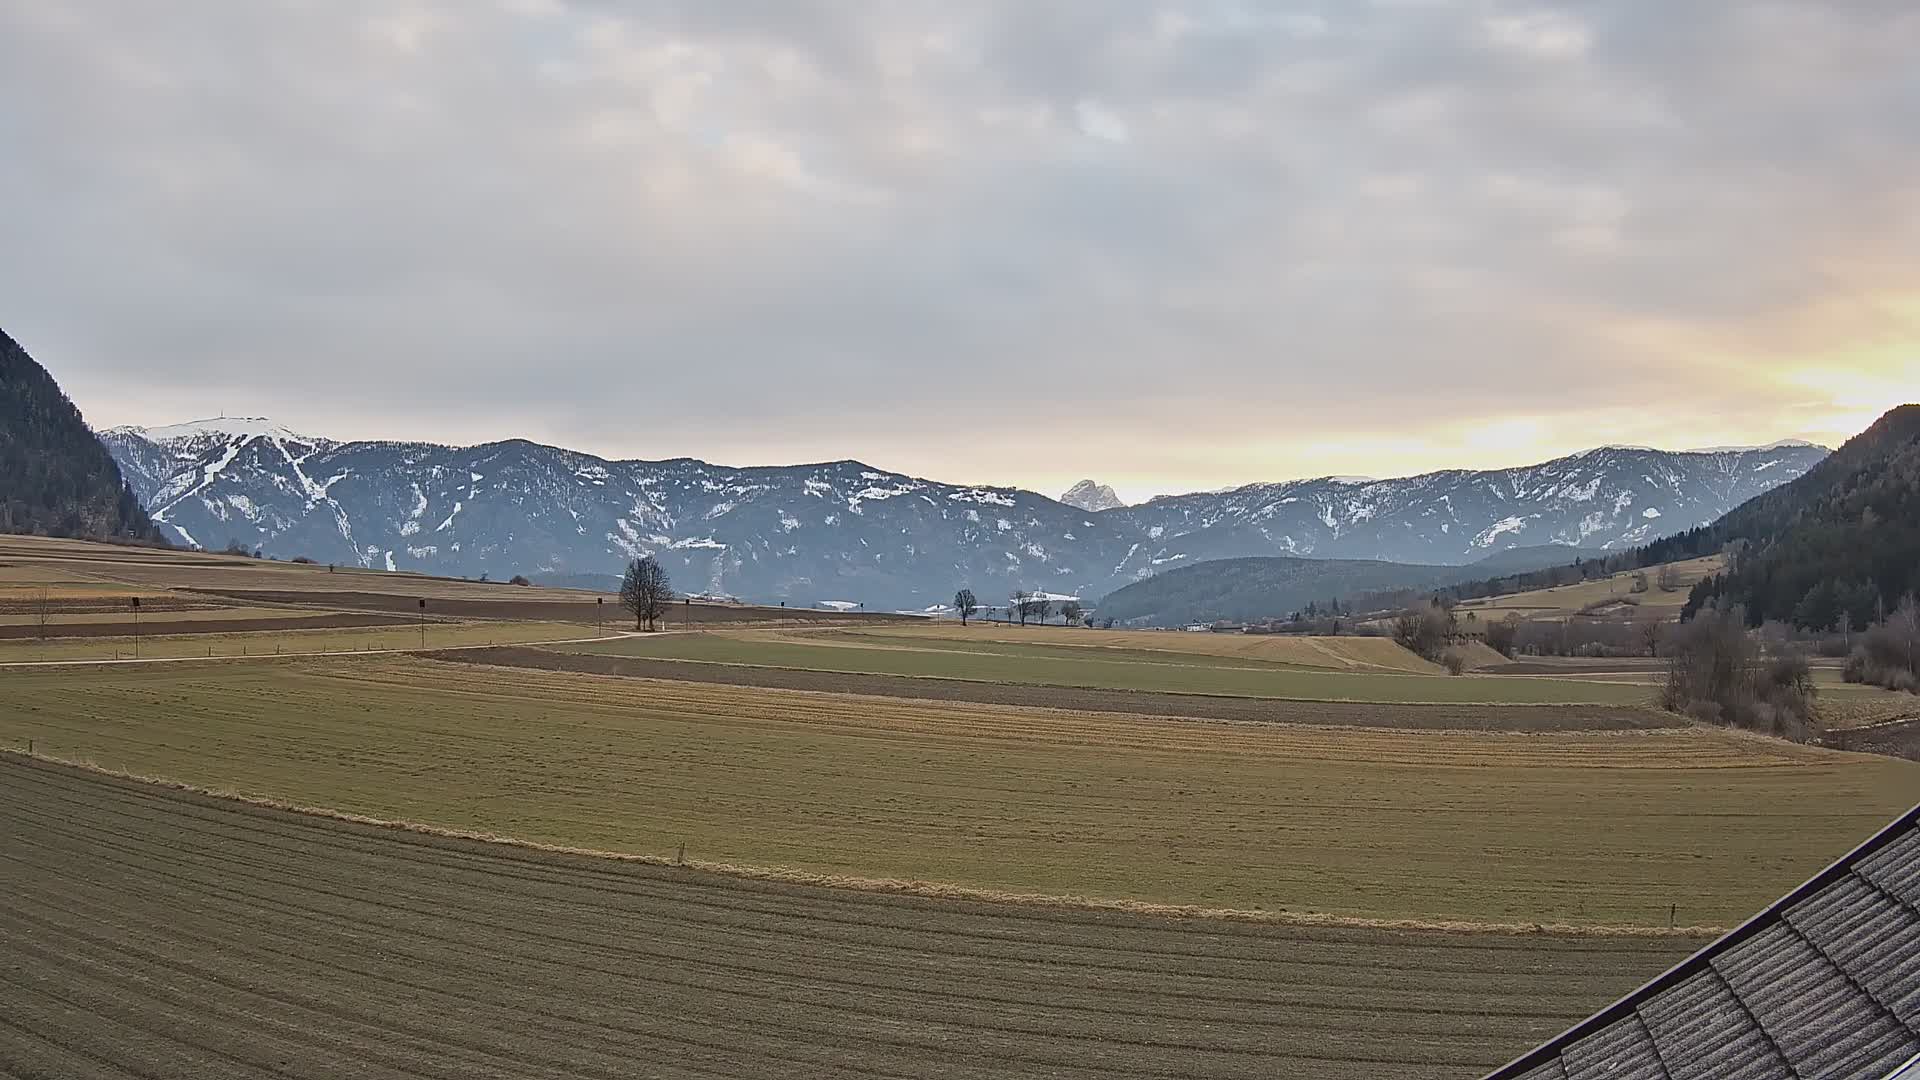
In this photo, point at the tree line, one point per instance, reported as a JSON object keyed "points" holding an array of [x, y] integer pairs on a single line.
{"points": [[1025, 606]]}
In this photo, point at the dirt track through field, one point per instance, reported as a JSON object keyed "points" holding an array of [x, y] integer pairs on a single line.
{"points": [[157, 933], [1142, 703]]}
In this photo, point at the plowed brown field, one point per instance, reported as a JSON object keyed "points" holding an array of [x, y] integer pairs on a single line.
{"points": [[156, 933]]}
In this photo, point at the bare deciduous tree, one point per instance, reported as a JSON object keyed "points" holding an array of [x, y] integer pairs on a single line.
{"points": [[1502, 635], [1668, 578], [1424, 631], [1072, 612], [1042, 607], [965, 603], [1716, 673], [1650, 630], [646, 592], [1021, 605], [42, 612]]}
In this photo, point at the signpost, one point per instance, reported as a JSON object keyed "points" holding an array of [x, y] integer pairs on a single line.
{"points": [[423, 622], [136, 628]]}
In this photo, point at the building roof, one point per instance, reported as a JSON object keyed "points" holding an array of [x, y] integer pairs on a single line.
{"points": [[1825, 983]]}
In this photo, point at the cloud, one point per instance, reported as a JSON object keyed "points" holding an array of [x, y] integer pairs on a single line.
{"points": [[1210, 242]]}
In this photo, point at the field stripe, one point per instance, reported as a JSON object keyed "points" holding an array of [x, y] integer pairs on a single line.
{"points": [[298, 943]]}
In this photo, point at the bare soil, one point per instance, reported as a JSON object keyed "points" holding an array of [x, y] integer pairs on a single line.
{"points": [[1204, 706], [157, 933], [1895, 738]]}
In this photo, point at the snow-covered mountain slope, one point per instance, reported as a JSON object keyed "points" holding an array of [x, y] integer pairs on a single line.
{"points": [[1087, 495], [844, 530], [1612, 497]]}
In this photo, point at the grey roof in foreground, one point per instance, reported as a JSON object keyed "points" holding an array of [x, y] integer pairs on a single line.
{"points": [[1825, 983]]}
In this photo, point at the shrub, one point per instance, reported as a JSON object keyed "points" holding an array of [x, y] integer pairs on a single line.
{"points": [[1855, 669], [1717, 674], [1502, 635], [518, 579], [1889, 652], [1453, 661], [1424, 631], [303, 560]]}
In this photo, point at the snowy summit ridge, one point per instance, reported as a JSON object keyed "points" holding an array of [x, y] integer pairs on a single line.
{"points": [[850, 532]]}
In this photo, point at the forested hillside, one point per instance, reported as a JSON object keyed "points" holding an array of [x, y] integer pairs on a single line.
{"points": [[1843, 540], [55, 476]]}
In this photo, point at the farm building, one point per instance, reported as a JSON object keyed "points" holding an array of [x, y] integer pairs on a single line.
{"points": [[1825, 983]]}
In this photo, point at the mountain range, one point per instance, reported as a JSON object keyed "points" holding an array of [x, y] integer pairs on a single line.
{"points": [[850, 532]]}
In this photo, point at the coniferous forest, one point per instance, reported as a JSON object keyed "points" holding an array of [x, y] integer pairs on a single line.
{"points": [[56, 479], [1841, 542]]}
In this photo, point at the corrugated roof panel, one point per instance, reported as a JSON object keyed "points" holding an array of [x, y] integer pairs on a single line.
{"points": [[1910, 1072], [1623, 1051], [1824, 1024], [1823, 985], [1705, 1034], [1875, 938], [1896, 867]]}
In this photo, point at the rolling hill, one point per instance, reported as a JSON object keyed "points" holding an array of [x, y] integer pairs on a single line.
{"points": [[1268, 588]]}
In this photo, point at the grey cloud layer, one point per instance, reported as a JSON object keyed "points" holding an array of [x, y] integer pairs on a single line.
{"points": [[783, 230]]}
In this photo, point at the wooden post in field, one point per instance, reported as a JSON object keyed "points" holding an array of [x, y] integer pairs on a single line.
{"points": [[136, 628], [1671, 910], [681, 859], [599, 614], [29, 747], [423, 622]]}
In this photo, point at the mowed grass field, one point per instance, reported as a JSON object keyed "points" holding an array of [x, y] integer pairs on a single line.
{"points": [[389, 636], [1562, 601], [25, 560], [1590, 828], [1337, 653], [149, 932], [1110, 669]]}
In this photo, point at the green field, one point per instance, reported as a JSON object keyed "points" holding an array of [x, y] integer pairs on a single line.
{"points": [[1045, 665], [1598, 828]]}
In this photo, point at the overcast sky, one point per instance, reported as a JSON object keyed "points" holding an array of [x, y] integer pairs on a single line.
{"points": [[1169, 245]]}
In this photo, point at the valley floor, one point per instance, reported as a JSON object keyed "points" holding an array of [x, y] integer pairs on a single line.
{"points": [[1588, 827], [156, 932], [910, 848]]}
